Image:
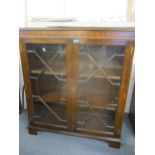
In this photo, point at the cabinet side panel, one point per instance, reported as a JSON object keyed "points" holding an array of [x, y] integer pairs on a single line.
{"points": [[129, 52], [27, 85]]}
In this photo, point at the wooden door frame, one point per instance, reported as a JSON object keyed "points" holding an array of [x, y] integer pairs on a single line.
{"points": [[123, 92], [27, 84], [26, 75], [125, 78]]}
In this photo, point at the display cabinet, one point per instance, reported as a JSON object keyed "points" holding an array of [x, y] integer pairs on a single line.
{"points": [[76, 79]]}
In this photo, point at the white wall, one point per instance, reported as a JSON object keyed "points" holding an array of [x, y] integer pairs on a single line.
{"points": [[97, 10], [82, 10], [131, 87], [22, 13], [21, 84]]}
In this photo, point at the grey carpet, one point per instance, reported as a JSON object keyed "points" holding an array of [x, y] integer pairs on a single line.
{"points": [[59, 144]]}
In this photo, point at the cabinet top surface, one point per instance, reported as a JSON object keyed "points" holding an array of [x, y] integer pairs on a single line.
{"points": [[80, 26]]}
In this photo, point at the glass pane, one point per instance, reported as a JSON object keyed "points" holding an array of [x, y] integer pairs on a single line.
{"points": [[99, 78], [48, 80]]}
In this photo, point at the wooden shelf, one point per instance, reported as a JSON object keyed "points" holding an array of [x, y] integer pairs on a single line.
{"points": [[91, 101], [110, 73]]}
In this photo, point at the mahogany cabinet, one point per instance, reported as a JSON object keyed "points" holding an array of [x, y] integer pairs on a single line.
{"points": [[76, 79]]}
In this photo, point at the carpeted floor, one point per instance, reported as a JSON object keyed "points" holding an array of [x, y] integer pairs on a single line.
{"points": [[58, 144]]}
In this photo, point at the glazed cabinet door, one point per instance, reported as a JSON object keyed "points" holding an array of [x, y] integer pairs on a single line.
{"points": [[46, 80], [100, 66]]}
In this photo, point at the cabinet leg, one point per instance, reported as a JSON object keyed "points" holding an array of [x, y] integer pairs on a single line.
{"points": [[115, 144], [32, 131]]}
